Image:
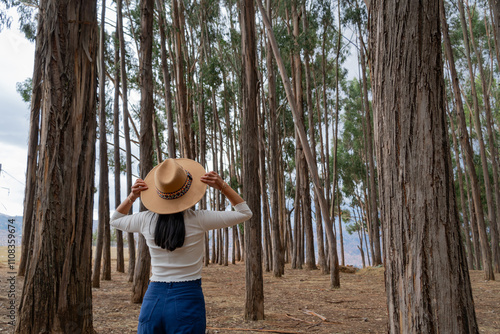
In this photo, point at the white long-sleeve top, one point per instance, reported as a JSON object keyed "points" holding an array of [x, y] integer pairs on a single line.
{"points": [[184, 263]]}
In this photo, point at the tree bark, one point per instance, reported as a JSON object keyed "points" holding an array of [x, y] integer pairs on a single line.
{"points": [[103, 156], [278, 259], [254, 297], [465, 216], [31, 165], [181, 90], [120, 260], [166, 79], [427, 281], [143, 265], [57, 295], [374, 223], [126, 131]]}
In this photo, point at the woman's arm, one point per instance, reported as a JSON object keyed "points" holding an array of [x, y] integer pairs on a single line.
{"points": [[120, 219], [135, 192], [215, 181]]}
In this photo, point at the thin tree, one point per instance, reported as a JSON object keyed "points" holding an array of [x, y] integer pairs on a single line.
{"points": [[427, 291], [254, 297], [120, 260], [57, 295], [373, 206], [126, 131], [31, 165], [143, 265]]}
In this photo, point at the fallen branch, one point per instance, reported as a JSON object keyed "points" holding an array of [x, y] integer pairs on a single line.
{"points": [[315, 314], [297, 319], [254, 330]]}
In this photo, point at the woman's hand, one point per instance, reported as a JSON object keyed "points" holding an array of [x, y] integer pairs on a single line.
{"points": [[138, 186], [213, 180]]}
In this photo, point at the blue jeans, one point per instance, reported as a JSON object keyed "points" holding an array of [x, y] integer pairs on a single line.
{"points": [[173, 308]]}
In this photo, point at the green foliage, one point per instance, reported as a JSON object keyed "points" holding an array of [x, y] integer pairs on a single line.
{"points": [[27, 11], [24, 89]]}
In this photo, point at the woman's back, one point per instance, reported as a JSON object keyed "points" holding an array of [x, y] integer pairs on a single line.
{"points": [[184, 263]]}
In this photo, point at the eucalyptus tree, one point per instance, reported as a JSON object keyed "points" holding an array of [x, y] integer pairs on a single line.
{"points": [[120, 259], [57, 295], [254, 297], [126, 129], [426, 291], [143, 265], [103, 158]]}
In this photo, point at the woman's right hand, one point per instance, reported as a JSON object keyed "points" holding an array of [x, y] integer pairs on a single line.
{"points": [[213, 180]]}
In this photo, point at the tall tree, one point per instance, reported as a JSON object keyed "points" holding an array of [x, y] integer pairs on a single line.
{"points": [[103, 205], [427, 291], [58, 273], [254, 297], [373, 214], [126, 131], [31, 165], [120, 260], [143, 266], [184, 121]]}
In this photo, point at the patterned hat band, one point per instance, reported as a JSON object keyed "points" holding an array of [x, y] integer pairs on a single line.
{"points": [[177, 193]]}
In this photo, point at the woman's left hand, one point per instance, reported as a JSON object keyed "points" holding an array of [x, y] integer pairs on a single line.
{"points": [[138, 186]]}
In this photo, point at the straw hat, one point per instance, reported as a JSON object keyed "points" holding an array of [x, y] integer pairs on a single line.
{"points": [[174, 186]]}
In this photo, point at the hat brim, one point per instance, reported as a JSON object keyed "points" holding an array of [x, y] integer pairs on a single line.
{"points": [[153, 202]]}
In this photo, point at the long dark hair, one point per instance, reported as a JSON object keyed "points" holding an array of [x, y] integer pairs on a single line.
{"points": [[170, 231]]}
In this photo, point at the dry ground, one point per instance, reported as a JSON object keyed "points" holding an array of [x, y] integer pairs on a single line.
{"points": [[294, 303]]}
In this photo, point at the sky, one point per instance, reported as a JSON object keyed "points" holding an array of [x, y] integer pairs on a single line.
{"points": [[16, 65]]}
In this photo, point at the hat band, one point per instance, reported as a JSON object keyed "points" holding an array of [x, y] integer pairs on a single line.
{"points": [[177, 193]]}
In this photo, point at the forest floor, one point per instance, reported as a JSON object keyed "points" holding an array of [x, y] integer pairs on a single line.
{"points": [[299, 302]]}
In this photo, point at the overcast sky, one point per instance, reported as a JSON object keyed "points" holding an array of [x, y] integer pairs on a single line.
{"points": [[16, 65]]}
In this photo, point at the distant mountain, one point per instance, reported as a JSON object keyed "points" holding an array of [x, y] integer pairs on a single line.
{"points": [[4, 228]]}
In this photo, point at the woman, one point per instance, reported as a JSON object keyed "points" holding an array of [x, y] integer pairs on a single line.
{"points": [[175, 235]]}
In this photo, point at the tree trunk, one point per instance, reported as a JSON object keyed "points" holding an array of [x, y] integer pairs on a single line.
{"points": [[31, 165], [181, 90], [465, 216], [103, 156], [427, 291], [374, 223], [319, 223], [166, 78], [57, 294], [126, 131], [495, 11], [310, 254], [254, 298], [143, 265], [278, 260], [120, 260]]}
